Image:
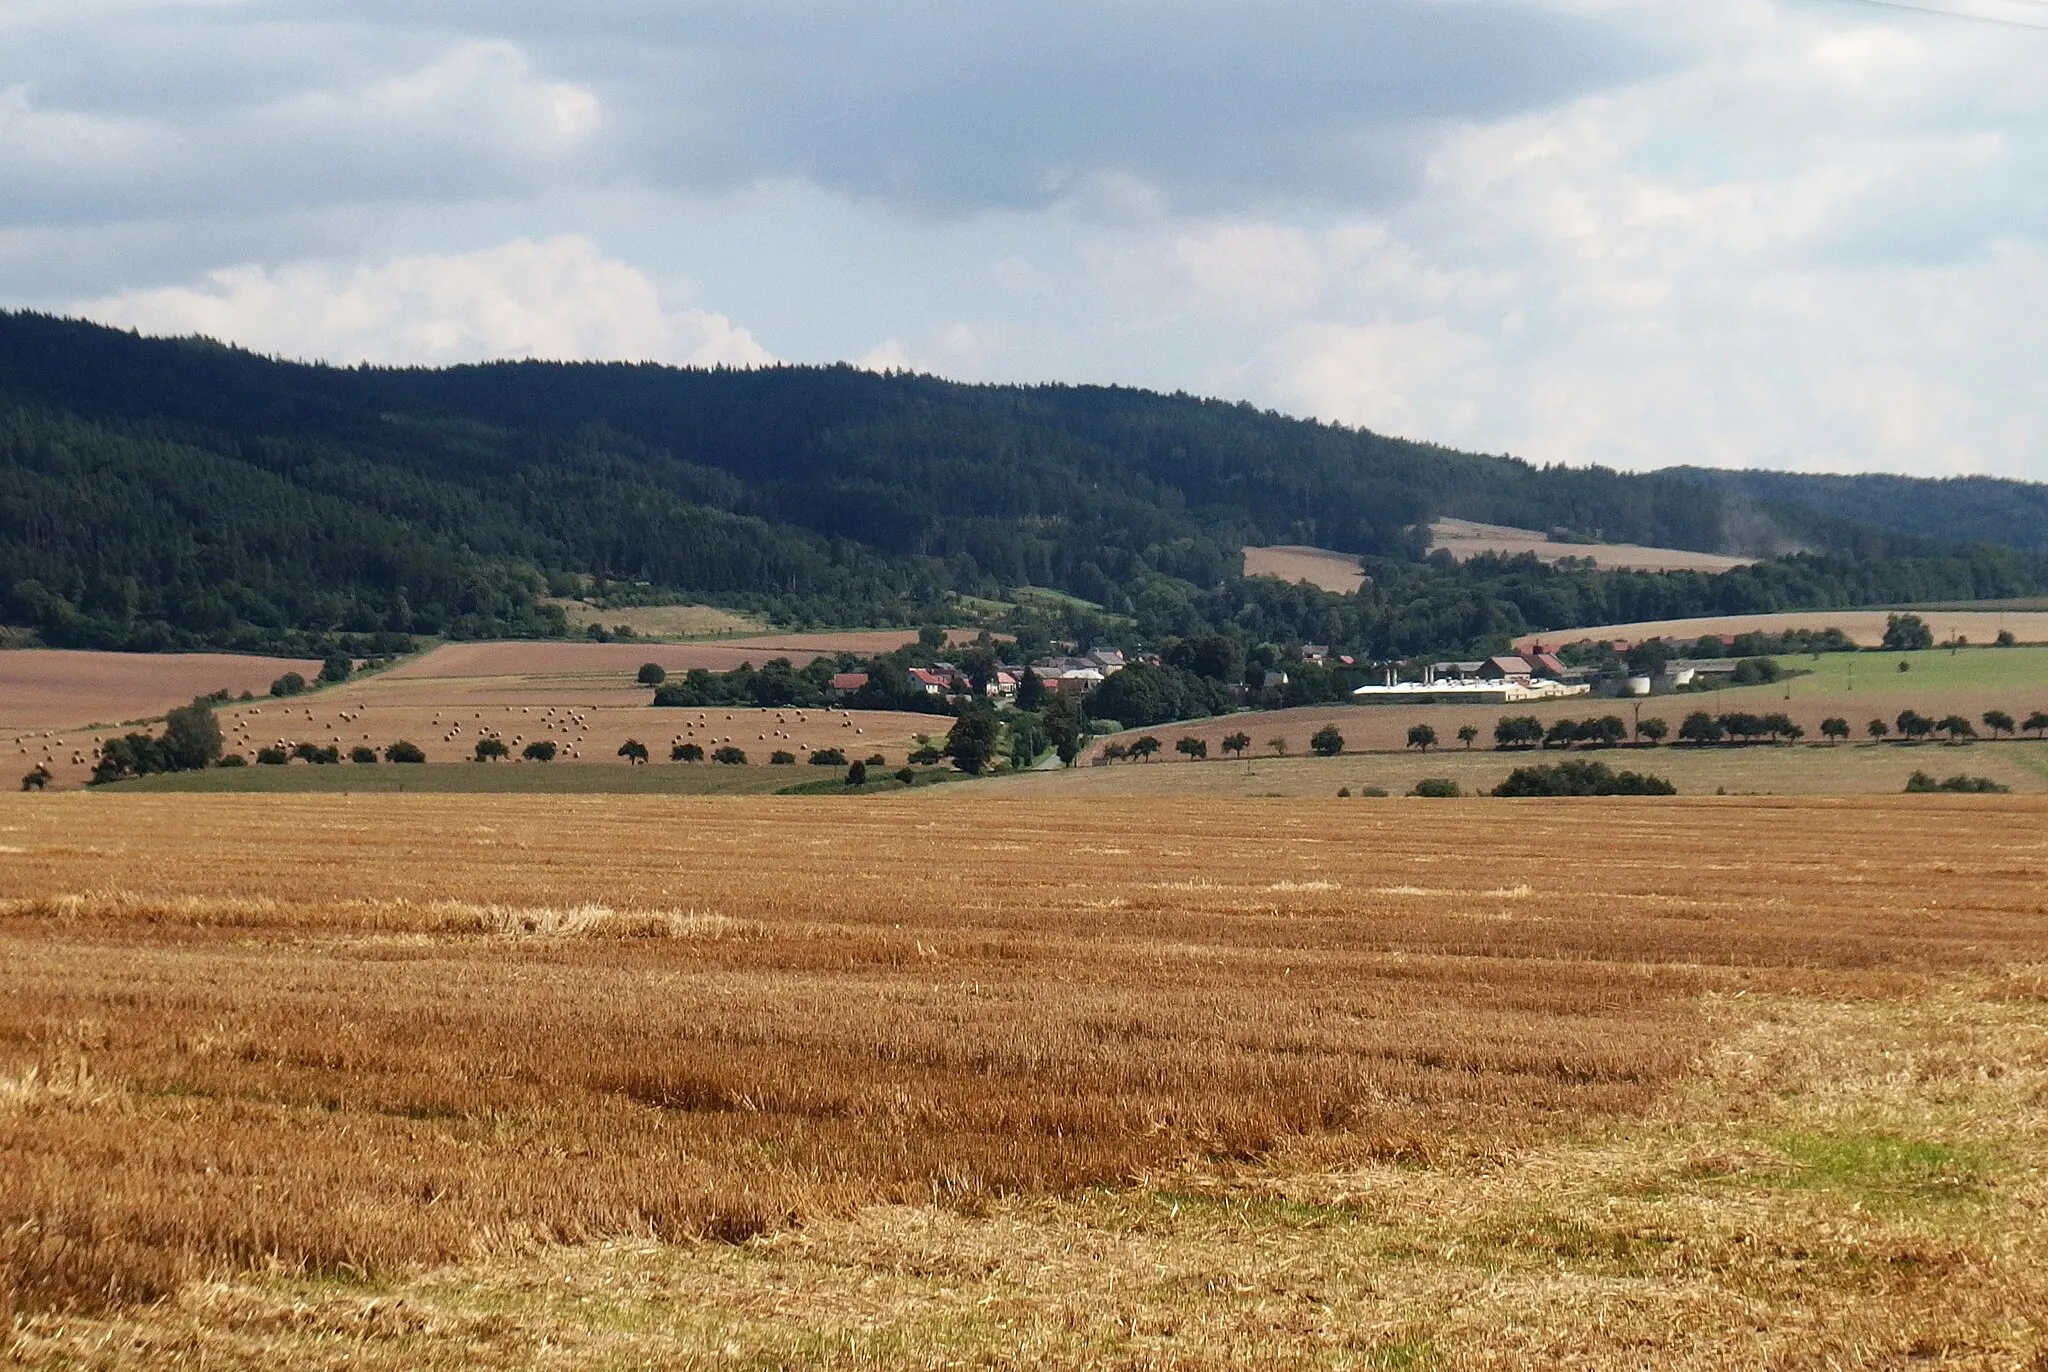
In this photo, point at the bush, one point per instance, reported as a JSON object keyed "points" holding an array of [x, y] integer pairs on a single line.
{"points": [[37, 779], [877, 760], [1437, 788], [634, 751], [907, 775], [337, 668], [730, 756], [829, 757], [1580, 778], [403, 751], [362, 753], [540, 750], [290, 684], [782, 757], [857, 774], [272, 756], [491, 749], [1327, 741], [319, 755], [686, 752], [926, 756], [1967, 785], [652, 674], [1373, 792], [233, 760]]}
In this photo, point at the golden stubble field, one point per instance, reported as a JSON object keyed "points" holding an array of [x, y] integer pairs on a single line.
{"points": [[960, 1079], [581, 696]]}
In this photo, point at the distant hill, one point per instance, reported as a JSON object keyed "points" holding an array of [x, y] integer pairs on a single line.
{"points": [[176, 493], [1960, 509]]}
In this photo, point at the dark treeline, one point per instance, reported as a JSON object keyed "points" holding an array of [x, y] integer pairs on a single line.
{"points": [[177, 493]]}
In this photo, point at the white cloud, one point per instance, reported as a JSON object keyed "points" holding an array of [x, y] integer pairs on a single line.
{"points": [[558, 299]]}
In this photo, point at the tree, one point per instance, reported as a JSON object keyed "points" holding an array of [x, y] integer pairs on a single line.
{"points": [[1914, 725], [729, 756], [1467, 733], [1421, 736], [1957, 728], [829, 757], [971, 742], [1237, 743], [2037, 723], [925, 756], [857, 774], [782, 757], [1144, 747], [1196, 749], [1030, 691], [362, 753], [1907, 634], [1653, 730], [1699, 728], [270, 755], [1562, 733], [686, 752], [1648, 658], [317, 754], [1998, 722], [38, 778], [1604, 732], [931, 638], [1517, 731], [634, 751], [402, 751], [1327, 742], [1877, 729], [540, 750], [1278, 745], [336, 668], [1065, 725], [1114, 752], [192, 737], [290, 684], [651, 674], [491, 749], [2005, 639], [1835, 728], [1709, 646]]}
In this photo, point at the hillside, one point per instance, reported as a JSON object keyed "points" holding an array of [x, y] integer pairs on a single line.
{"points": [[160, 494], [1958, 509]]}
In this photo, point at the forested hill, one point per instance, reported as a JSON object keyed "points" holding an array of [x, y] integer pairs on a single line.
{"points": [[163, 493], [1957, 509]]}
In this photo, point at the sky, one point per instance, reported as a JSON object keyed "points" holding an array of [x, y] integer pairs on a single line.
{"points": [[1801, 234]]}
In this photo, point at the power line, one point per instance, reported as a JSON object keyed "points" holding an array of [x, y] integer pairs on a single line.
{"points": [[1963, 14]]}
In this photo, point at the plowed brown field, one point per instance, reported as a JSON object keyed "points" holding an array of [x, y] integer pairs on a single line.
{"points": [[47, 688], [330, 1081]]}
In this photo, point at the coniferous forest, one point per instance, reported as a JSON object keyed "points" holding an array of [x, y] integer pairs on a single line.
{"points": [[159, 494]]}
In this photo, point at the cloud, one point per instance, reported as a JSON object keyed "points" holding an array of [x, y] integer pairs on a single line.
{"points": [[472, 118], [559, 299]]}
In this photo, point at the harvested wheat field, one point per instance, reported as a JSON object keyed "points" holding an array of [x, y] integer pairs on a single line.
{"points": [[452, 1081], [1862, 626], [588, 714], [1463, 539], [1292, 563]]}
